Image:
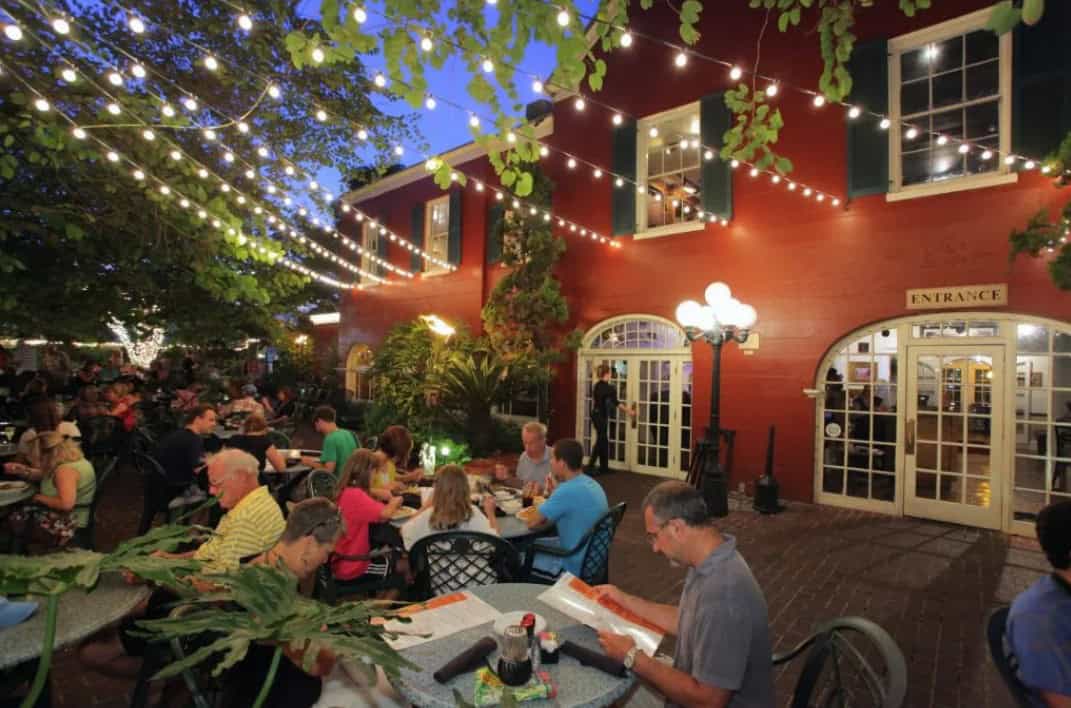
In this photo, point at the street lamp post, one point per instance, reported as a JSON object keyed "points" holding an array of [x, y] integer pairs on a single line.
{"points": [[722, 319]]}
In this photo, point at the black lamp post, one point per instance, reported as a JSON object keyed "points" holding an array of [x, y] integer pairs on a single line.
{"points": [[722, 319]]}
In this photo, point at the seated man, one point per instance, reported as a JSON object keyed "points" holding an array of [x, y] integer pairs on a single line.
{"points": [[180, 454], [1039, 623], [723, 654], [252, 525], [533, 466], [576, 502], [338, 445]]}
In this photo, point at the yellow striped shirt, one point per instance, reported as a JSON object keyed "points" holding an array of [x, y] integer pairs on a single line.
{"points": [[251, 527]]}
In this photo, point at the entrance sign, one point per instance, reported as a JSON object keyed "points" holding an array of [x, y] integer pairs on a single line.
{"points": [[992, 295]]}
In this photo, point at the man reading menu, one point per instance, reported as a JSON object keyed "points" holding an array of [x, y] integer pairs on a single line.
{"points": [[722, 656]]}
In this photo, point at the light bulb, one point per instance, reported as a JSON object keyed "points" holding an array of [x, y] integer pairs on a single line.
{"points": [[474, 121], [835, 202], [272, 189], [148, 135], [964, 149], [313, 185], [202, 214], [511, 137], [1009, 160], [112, 156], [380, 80], [807, 192], [1029, 165], [537, 86], [176, 155], [243, 127], [250, 174], [544, 151], [819, 101], [988, 154], [190, 103], [321, 115], [399, 150], [735, 73], [360, 15], [488, 66], [746, 316], [792, 186], [139, 175], [579, 104], [289, 170], [597, 173], [617, 119], [115, 78], [185, 203], [754, 172], [245, 22], [61, 26], [884, 124], [911, 133], [854, 112], [776, 179], [138, 70], [734, 164], [165, 190], [69, 75], [619, 182], [209, 134], [273, 91], [225, 187], [13, 32], [571, 163], [79, 133], [653, 132], [771, 90], [136, 25], [563, 19], [626, 39], [426, 44], [114, 109], [202, 173], [820, 197], [318, 55], [228, 156], [362, 134], [430, 103], [681, 60], [262, 151], [210, 63]]}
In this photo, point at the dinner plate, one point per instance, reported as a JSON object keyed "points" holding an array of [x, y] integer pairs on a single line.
{"points": [[404, 512], [508, 619], [13, 486], [526, 513]]}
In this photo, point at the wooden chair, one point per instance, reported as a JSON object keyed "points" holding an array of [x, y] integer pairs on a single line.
{"points": [[850, 661], [595, 566], [1006, 663], [455, 560]]}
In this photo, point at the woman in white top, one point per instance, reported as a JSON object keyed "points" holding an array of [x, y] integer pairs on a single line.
{"points": [[450, 510]]}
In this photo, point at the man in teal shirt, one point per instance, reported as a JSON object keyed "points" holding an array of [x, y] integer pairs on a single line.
{"points": [[339, 444]]}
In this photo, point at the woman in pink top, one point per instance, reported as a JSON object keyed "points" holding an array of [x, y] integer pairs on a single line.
{"points": [[359, 510]]}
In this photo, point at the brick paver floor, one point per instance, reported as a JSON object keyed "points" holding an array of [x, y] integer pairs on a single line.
{"points": [[929, 584]]}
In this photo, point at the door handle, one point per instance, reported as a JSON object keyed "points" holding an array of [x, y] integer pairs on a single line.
{"points": [[909, 437]]}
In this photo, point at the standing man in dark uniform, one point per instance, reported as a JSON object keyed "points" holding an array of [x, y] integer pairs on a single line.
{"points": [[603, 403]]}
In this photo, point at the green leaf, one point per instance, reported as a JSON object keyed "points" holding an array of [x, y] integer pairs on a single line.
{"points": [[1004, 17], [524, 184], [74, 231]]}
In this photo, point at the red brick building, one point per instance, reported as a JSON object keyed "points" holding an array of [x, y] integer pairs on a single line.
{"points": [[948, 406]]}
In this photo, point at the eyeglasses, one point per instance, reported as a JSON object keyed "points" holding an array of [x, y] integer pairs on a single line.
{"points": [[653, 537]]}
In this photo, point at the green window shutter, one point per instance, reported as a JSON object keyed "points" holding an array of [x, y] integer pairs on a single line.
{"points": [[382, 252], [495, 212], [1041, 84], [623, 198], [714, 119], [416, 236], [453, 242], [868, 147]]}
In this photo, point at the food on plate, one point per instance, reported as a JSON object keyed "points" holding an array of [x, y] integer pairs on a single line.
{"points": [[404, 512]]}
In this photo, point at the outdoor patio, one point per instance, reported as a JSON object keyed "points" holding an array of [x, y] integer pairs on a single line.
{"points": [[930, 585]]}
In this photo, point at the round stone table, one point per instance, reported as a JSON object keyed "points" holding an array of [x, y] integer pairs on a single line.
{"points": [[80, 614], [10, 498], [578, 686]]}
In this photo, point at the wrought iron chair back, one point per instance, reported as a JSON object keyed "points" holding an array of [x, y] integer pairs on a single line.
{"points": [[1003, 658], [455, 560], [321, 483], [850, 661]]}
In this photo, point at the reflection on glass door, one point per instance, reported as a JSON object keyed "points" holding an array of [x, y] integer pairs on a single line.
{"points": [[618, 427], [953, 441]]}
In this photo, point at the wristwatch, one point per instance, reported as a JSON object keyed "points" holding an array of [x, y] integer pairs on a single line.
{"points": [[630, 658]]}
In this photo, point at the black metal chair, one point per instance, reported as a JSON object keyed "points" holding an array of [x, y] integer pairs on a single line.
{"points": [[850, 661], [85, 537], [160, 495], [455, 560], [321, 483], [205, 691], [279, 439], [595, 567], [329, 589], [99, 435], [1006, 663]]}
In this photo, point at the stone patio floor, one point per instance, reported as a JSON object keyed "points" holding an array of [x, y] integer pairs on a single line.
{"points": [[929, 584]]}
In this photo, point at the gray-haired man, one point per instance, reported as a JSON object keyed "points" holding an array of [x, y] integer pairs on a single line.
{"points": [[722, 657], [533, 465]]}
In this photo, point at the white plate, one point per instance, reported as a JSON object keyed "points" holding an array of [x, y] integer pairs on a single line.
{"points": [[511, 618]]}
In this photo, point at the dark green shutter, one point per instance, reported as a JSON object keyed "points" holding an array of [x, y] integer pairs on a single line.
{"points": [[495, 212], [1041, 83], [382, 252], [714, 119], [624, 164], [868, 146], [453, 242], [416, 236]]}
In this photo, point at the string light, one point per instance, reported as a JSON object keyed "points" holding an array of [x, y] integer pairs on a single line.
{"points": [[681, 60], [537, 86], [772, 90], [617, 119], [79, 133], [245, 22], [426, 44], [854, 112], [210, 63], [69, 75], [61, 26], [474, 121], [148, 135], [626, 39], [115, 78], [321, 115], [429, 103], [138, 71], [190, 103], [360, 15], [273, 91], [735, 73], [13, 32], [488, 66], [42, 105], [819, 100], [380, 80], [579, 104], [318, 55], [563, 19]]}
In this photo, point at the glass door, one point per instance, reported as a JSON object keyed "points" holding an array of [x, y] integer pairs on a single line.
{"points": [[953, 443], [619, 422], [656, 438]]}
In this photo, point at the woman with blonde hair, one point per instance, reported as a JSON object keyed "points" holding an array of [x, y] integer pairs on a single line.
{"points": [[68, 484], [359, 511], [451, 509]]}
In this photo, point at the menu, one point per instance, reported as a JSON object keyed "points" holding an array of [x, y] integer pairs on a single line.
{"points": [[577, 599], [439, 617]]}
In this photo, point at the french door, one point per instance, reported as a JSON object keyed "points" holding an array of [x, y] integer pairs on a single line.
{"points": [[658, 440], [953, 445]]}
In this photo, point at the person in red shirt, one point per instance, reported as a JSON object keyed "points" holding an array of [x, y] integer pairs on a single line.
{"points": [[359, 510]]}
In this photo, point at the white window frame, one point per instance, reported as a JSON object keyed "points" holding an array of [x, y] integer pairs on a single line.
{"points": [[370, 243], [429, 267], [643, 125], [929, 35]]}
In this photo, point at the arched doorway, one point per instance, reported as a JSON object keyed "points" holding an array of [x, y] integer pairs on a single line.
{"points": [[651, 364], [358, 368], [960, 417]]}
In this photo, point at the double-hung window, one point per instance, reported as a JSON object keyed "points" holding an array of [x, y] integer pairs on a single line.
{"points": [[950, 108], [436, 232], [669, 169], [370, 244]]}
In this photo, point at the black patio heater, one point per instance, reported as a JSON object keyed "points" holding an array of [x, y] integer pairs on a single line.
{"points": [[767, 488], [722, 319]]}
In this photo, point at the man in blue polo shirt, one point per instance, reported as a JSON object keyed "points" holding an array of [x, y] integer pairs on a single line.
{"points": [[1039, 622], [576, 502]]}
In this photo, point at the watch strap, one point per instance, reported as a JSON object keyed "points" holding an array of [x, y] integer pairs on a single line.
{"points": [[630, 657]]}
